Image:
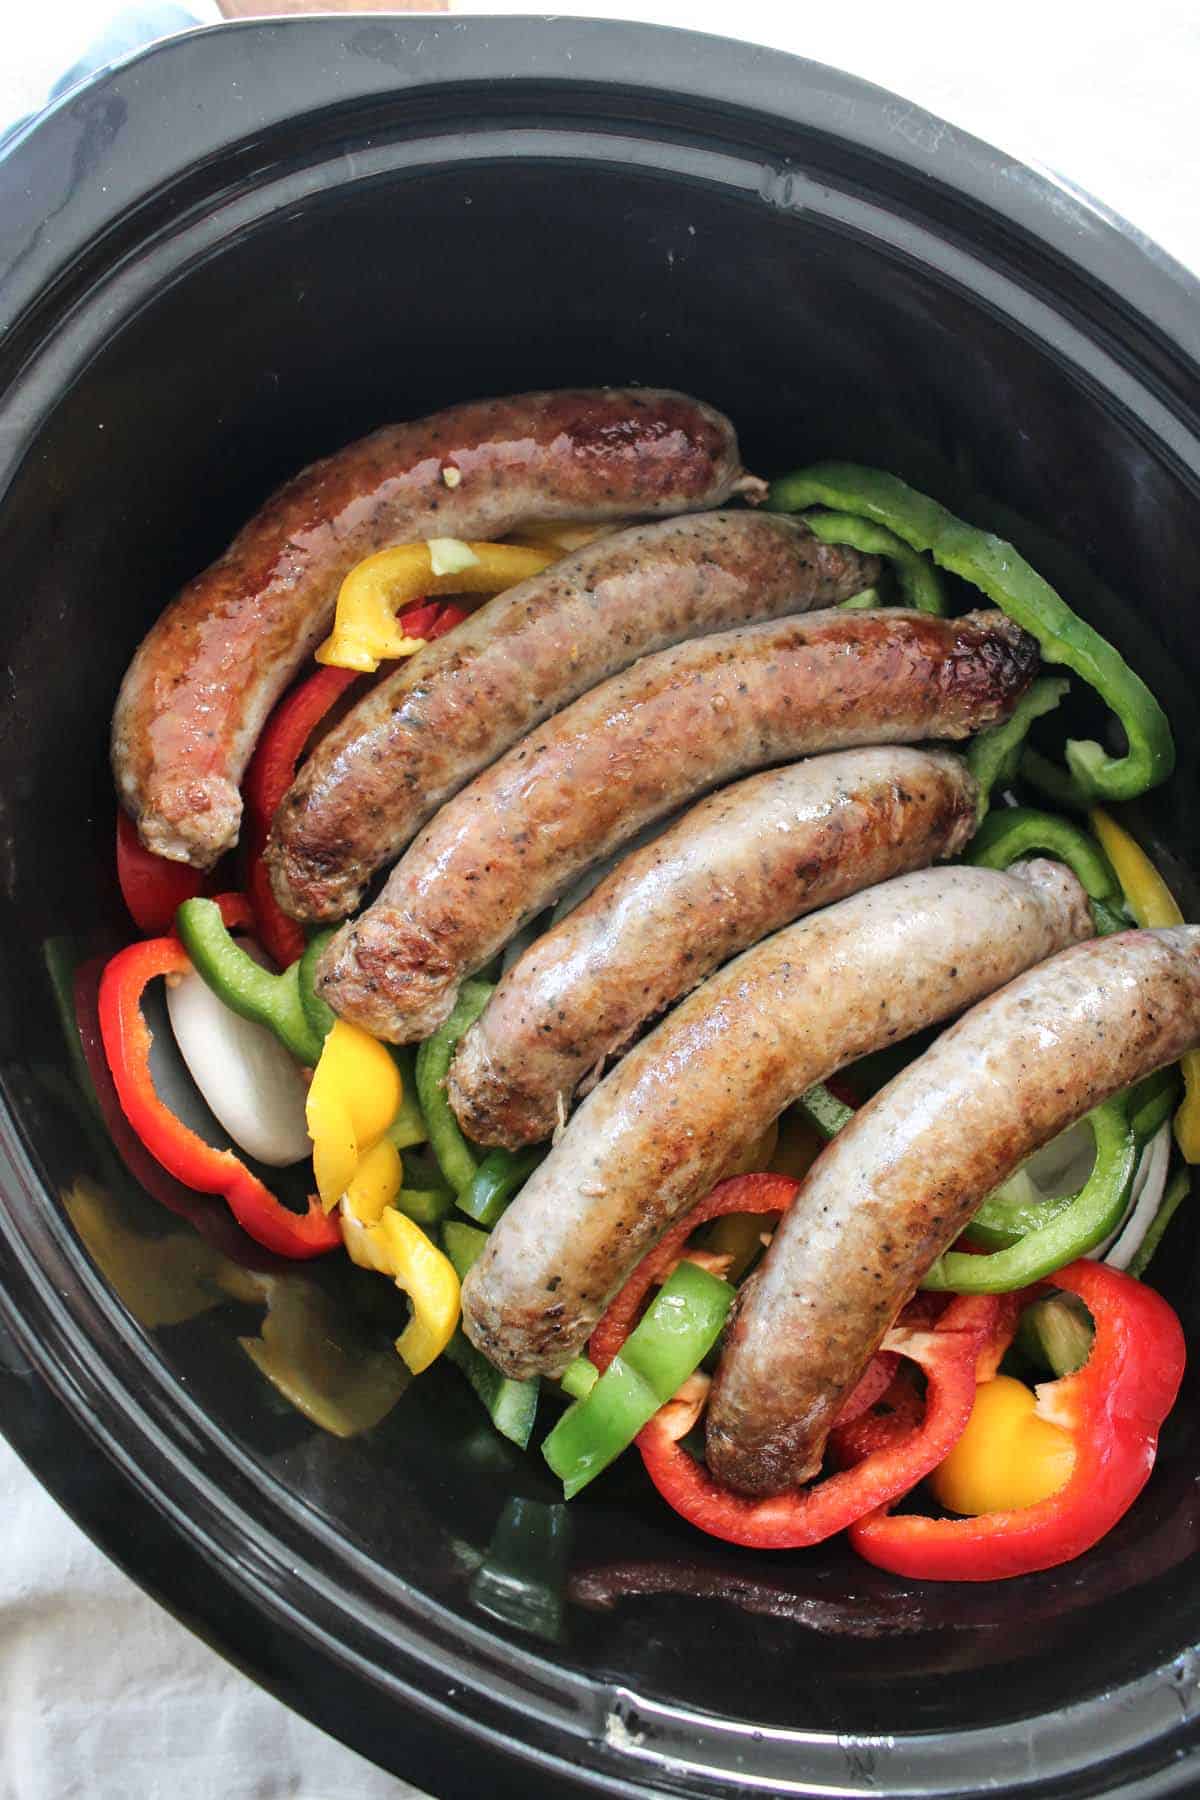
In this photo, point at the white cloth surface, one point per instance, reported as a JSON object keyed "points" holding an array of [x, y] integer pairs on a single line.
{"points": [[104, 1696]]}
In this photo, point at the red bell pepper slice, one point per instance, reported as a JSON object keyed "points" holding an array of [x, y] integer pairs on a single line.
{"points": [[969, 1328], [870, 1422], [742, 1194], [419, 621], [883, 1423], [792, 1521], [447, 619], [277, 755], [1113, 1406], [185, 1155], [281, 744], [272, 768], [270, 774], [151, 886], [212, 1220], [236, 912]]}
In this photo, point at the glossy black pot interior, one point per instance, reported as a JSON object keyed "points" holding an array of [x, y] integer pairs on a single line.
{"points": [[242, 251]]}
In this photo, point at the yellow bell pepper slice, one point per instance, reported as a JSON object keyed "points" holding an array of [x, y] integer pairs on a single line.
{"points": [[375, 1182], [400, 1249], [1152, 904], [353, 1097], [365, 627], [1007, 1457]]}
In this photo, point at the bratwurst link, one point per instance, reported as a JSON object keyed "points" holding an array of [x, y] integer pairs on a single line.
{"points": [[743, 863], [456, 706], [634, 749], [898, 1184], [656, 1134], [209, 671]]}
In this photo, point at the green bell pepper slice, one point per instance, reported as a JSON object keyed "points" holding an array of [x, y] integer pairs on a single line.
{"points": [[1177, 1190], [408, 1127], [579, 1378], [424, 1206], [464, 1245], [1016, 1208], [318, 1012], [1056, 1333], [1055, 783], [664, 1348], [1012, 1211], [244, 986], [823, 1110], [455, 1157], [1000, 572], [1015, 831], [1073, 1229], [496, 1181], [994, 756], [522, 1580], [919, 583], [1152, 1102], [510, 1405], [482, 1189]]}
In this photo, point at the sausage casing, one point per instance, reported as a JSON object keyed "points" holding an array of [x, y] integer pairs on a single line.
{"points": [[898, 1184], [423, 732], [208, 672], [634, 749], [658, 1131], [740, 865]]}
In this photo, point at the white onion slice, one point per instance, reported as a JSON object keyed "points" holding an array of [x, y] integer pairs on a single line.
{"points": [[250, 1082], [1145, 1198]]}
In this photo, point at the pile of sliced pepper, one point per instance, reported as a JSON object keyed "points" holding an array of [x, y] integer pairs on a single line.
{"points": [[1110, 1411], [181, 1151], [1043, 1474], [968, 1330], [357, 1107], [998, 570]]}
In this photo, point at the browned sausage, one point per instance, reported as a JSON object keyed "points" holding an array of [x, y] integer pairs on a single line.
{"points": [[898, 1184], [631, 751], [658, 1131], [207, 674], [741, 864], [421, 735]]}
